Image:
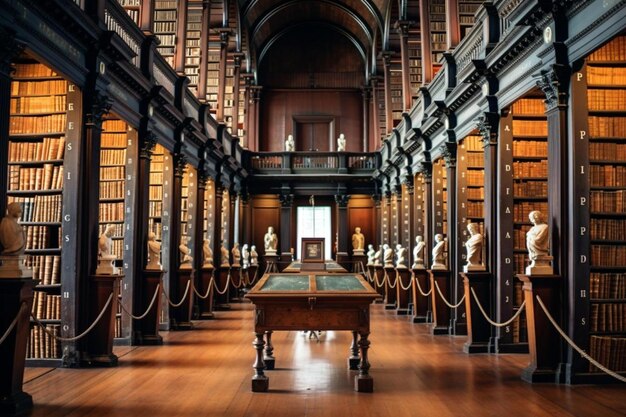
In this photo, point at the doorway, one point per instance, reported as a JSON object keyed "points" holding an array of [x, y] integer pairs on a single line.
{"points": [[314, 133], [314, 222]]}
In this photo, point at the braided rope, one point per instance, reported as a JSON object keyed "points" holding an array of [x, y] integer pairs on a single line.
{"points": [[154, 297], [493, 323], [446, 301], [389, 282], [573, 345], [233, 282], [225, 288], [400, 282], [425, 294], [182, 300], [208, 291], [83, 334], [13, 323], [382, 283]]}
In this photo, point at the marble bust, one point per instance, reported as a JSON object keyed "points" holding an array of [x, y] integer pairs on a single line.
{"points": [[474, 247], [236, 255], [271, 241], [538, 245], [378, 256], [439, 255], [370, 254], [207, 254], [245, 256], [106, 257], [290, 144], [154, 252], [254, 256], [400, 256], [418, 253], [185, 253], [341, 143], [358, 241], [12, 236], [388, 256], [225, 256]]}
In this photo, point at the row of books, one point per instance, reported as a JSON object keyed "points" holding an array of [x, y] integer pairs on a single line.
{"points": [[475, 193], [156, 192], [523, 148], [155, 227], [607, 285], [42, 237], [165, 4], [47, 104], [614, 51], [519, 236], [45, 150], [519, 330], [606, 75], [112, 189], [608, 255], [46, 306], [608, 317], [610, 151], [476, 178], [23, 70], [37, 124], [114, 125], [41, 345], [50, 177], [113, 156], [608, 229], [530, 189], [528, 106], [537, 128], [608, 201], [474, 209], [118, 327], [112, 173], [118, 229], [520, 262], [603, 127], [606, 100], [45, 268], [113, 140], [117, 248], [40, 208], [522, 209], [38, 88], [607, 176], [111, 212], [155, 208], [609, 352], [530, 169], [475, 160], [161, 27]]}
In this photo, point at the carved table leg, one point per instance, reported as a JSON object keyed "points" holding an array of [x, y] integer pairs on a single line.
{"points": [[269, 349], [363, 382], [260, 382], [353, 360]]}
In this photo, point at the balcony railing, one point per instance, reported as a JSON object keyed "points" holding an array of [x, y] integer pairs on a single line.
{"points": [[312, 163]]}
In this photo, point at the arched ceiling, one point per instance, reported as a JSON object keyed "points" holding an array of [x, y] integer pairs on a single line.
{"points": [[265, 21]]}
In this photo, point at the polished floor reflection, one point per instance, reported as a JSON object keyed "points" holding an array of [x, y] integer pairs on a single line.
{"points": [[207, 371]]}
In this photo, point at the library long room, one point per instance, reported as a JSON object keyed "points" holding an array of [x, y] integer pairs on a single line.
{"points": [[310, 208]]}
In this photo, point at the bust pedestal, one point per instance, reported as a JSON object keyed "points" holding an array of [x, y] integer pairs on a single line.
{"points": [[235, 280], [146, 330], [390, 293], [441, 312], [221, 300], [14, 292], [402, 295], [421, 305], [205, 305], [379, 278], [181, 315], [100, 339], [543, 339], [252, 272], [478, 328], [358, 262], [271, 262]]}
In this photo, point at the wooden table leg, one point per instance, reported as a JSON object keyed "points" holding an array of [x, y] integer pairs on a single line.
{"points": [[260, 382], [353, 360], [268, 358], [363, 382]]}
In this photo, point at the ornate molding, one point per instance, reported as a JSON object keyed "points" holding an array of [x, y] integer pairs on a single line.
{"points": [[425, 168], [180, 161], [342, 200], [147, 145], [554, 85], [100, 106], [286, 200], [487, 125], [448, 152], [10, 47]]}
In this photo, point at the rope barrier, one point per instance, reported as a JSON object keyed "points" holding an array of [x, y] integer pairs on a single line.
{"points": [[154, 297], [493, 323], [256, 275], [424, 294], [208, 291], [446, 301], [80, 336], [233, 282], [13, 323], [182, 300], [398, 280], [225, 288], [382, 283], [573, 345], [389, 282]]}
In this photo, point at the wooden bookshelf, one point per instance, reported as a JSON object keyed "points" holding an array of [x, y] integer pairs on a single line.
{"points": [[395, 83], [229, 98], [438, 35], [192, 43], [415, 60], [36, 164], [133, 8], [165, 22], [599, 98], [440, 203], [213, 71], [467, 9], [155, 204]]}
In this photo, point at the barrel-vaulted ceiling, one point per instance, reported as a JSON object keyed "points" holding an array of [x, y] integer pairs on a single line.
{"points": [[265, 21]]}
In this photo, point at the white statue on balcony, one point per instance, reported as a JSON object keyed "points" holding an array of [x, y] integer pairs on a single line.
{"points": [[341, 143], [290, 144]]}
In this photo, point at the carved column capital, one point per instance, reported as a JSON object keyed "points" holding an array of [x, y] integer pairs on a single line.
{"points": [[487, 125], [342, 200], [426, 169], [100, 106], [10, 48], [448, 153], [286, 200], [147, 144], [554, 83], [180, 161]]}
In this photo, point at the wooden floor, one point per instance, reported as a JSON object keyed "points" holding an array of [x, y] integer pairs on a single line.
{"points": [[207, 371]]}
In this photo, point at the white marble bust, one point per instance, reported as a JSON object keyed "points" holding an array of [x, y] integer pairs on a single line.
{"points": [[388, 256], [12, 235], [245, 256], [207, 254], [290, 144], [225, 256], [474, 247], [185, 253], [538, 245], [271, 241], [154, 252], [400, 256], [254, 256], [370, 254], [378, 256], [341, 143], [439, 255], [418, 253], [236, 254]]}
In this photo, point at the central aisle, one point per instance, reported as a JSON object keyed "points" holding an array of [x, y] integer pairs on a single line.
{"points": [[207, 371]]}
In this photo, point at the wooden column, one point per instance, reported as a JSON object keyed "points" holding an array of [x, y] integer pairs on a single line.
{"points": [[236, 81], [285, 241], [246, 217], [146, 14], [410, 217], [216, 239], [366, 93], [387, 72], [221, 86], [378, 239], [341, 198], [453, 28], [403, 31], [204, 50], [426, 169], [375, 115], [198, 238], [181, 37], [427, 57]]}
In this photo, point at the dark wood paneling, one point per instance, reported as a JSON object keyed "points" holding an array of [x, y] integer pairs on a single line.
{"points": [[265, 213], [361, 214]]}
